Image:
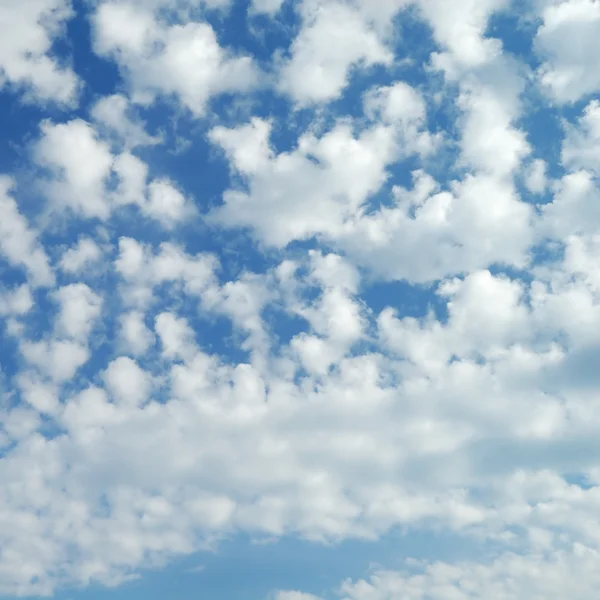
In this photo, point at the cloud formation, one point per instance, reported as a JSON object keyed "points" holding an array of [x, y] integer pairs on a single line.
{"points": [[284, 277]]}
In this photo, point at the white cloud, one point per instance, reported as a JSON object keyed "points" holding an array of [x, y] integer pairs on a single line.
{"points": [[569, 573], [58, 360], [81, 256], [142, 270], [459, 27], [269, 7], [126, 382], [166, 203], [490, 143], [43, 397], [346, 418], [574, 208], [431, 233], [115, 113], [80, 163], [309, 191], [568, 41], [292, 595], [334, 38], [17, 301], [176, 336], [580, 147], [27, 32], [184, 60], [397, 103], [19, 242], [536, 179], [336, 317], [80, 308], [136, 336]]}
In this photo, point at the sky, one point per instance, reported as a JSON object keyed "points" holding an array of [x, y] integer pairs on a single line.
{"points": [[300, 300]]}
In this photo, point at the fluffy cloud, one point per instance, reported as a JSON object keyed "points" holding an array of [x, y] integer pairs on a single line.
{"points": [[19, 243], [580, 150], [80, 256], [334, 37], [80, 163], [572, 572], [81, 166], [166, 387], [331, 176], [115, 114], [269, 7], [27, 33], [567, 40], [159, 58], [17, 301]]}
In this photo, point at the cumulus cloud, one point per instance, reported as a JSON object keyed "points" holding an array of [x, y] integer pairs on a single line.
{"points": [[82, 169], [580, 150], [183, 60], [566, 41], [19, 242], [563, 573], [269, 7], [115, 113], [27, 33], [334, 37], [331, 177], [80, 256], [405, 341], [80, 163]]}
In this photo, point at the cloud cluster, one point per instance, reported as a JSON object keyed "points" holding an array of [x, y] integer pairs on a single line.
{"points": [[179, 369]]}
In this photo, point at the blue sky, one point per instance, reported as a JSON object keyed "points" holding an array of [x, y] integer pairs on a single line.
{"points": [[299, 300]]}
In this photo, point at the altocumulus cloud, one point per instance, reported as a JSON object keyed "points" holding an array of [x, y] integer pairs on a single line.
{"points": [[323, 270]]}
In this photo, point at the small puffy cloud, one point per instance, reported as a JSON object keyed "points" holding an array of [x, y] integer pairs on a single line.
{"points": [[142, 270], [82, 168], [116, 115], [136, 336], [425, 224], [536, 179], [182, 60], [41, 396], [554, 575], [27, 32], [58, 360], [568, 41], [17, 301], [309, 191], [459, 27], [80, 163], [166, 203], [81, 256], [268, 7], [580, 148], [293, 595], [399, 103], [334, 38], [19, 243], [80, 308], [127, 382], [574, 207], [490, 142], [177, 338]]}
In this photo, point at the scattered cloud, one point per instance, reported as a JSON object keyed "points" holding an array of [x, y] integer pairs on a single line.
{"points": [[363, 300]]}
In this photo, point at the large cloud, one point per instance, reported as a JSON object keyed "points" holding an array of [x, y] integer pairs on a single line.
{"points": [[168, 382]]}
